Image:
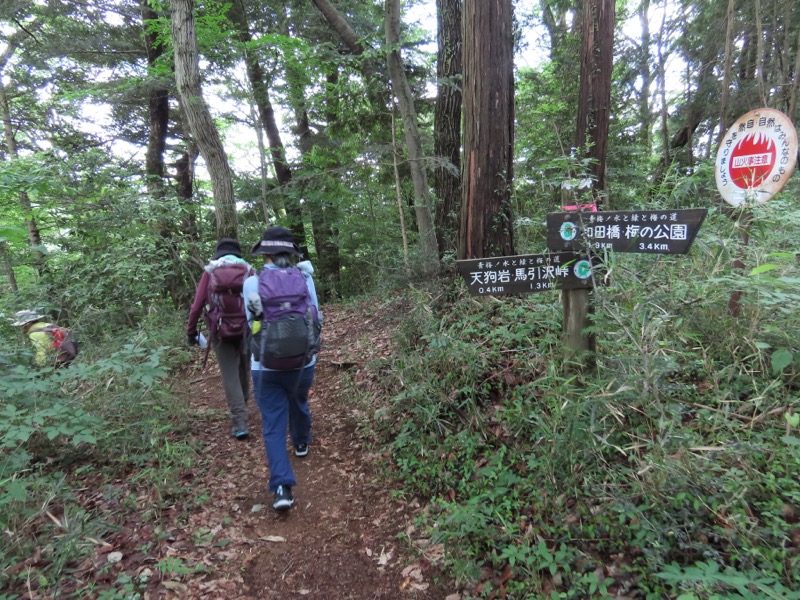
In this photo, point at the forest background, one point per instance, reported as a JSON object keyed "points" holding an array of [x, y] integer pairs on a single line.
{"points": [[667, 470]]}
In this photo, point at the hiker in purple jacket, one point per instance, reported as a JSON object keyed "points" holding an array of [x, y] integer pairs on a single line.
{"points": [[232, 353], [282, 396]]}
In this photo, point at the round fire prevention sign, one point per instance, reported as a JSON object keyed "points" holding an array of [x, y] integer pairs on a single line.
{"points": [[756, 157]]}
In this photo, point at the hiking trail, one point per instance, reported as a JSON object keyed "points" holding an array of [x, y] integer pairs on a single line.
{"points": [[341, 540]]}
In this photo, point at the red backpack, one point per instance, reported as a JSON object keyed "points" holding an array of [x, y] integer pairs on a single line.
{"points": [[224, 316], [62, 341]]}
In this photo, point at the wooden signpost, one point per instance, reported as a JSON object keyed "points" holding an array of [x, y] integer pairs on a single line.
{"points": [[755, 159], [642, 231], [526, 273], [573, 239]]}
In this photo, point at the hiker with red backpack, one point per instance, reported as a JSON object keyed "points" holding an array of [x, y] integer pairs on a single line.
{"points": [[52, 344], [283, 314], [219, 299]]}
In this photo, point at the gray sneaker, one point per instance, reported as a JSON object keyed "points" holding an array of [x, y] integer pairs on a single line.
{"points": [[283, 498], [300, 449]]}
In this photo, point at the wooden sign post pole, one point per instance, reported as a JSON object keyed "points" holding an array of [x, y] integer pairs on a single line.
{"points": [[579, 345], [743, 222]]}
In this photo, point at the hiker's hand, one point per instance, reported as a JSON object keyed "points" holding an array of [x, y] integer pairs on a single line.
{"points": [[191, 339]]}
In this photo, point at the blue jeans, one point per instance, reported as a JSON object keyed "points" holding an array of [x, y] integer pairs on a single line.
{"points": [[283, 401]]}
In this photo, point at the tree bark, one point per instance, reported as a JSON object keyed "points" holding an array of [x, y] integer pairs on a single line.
{"points": [[646, 75], [198, 117], [34, 235], [158, 113], [422, 206], [255, 75], [726, 75], [785, 54], [486, 227], [158, 105], [8, 268], [325, 209], [796, 86], [266, 113], [447, 123], [340, 25], [594, 103], [662, 90], [399, 195], [762, 89]]}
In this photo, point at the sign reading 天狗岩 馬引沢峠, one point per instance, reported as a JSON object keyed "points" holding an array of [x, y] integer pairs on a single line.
{"points": [[756, 157], [645, 231], [527, 273]]}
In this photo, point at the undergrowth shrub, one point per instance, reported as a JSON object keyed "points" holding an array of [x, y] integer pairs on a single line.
{"points": [[110, 414], [669, 471]]}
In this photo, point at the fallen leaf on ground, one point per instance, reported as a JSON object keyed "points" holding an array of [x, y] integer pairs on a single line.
{"points": [[175, 586], [272, 538]]}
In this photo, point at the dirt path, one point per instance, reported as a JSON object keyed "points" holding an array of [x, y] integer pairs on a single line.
{"points": [[339, 541]]}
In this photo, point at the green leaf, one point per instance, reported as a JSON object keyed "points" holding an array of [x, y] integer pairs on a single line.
{"points": [[84, 436], [781, 359], [763, 268], [16, 491]]}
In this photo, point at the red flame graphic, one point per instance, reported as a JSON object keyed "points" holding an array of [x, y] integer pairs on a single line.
{"points": [[752, 160]]}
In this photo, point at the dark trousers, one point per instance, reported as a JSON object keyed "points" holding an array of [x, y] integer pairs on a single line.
{"points": [[234, 366]]}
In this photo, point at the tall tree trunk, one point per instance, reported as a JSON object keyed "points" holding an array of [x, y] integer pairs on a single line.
{"points": [[198, 116], [184, 179], [325, 210], [12, 43], [34, 235], [340, 25], [158, 112], [8, 268], [555, 22], [184, 189], [352, 41], [786, 52], [646, 125], [486, 227], [255, 75], [158, 105], [594, 100], [422, 204], [726, 74], [399, 195], [762, 90], [447, 123], [662, 91], [796, 85], [697, 105]]}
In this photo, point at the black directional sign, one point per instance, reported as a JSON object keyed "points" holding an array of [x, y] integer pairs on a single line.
{"points": [[646, 231], [526, 273]]}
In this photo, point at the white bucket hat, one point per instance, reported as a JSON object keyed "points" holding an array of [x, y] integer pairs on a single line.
{"points": [[24, 317]]}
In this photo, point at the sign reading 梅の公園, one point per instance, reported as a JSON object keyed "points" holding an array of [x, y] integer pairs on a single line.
{"points": [[527, 273], [646, 231], [756, 157]]}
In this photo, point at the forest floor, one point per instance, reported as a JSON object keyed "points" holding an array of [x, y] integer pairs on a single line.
{"points": [[347, 536]]}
